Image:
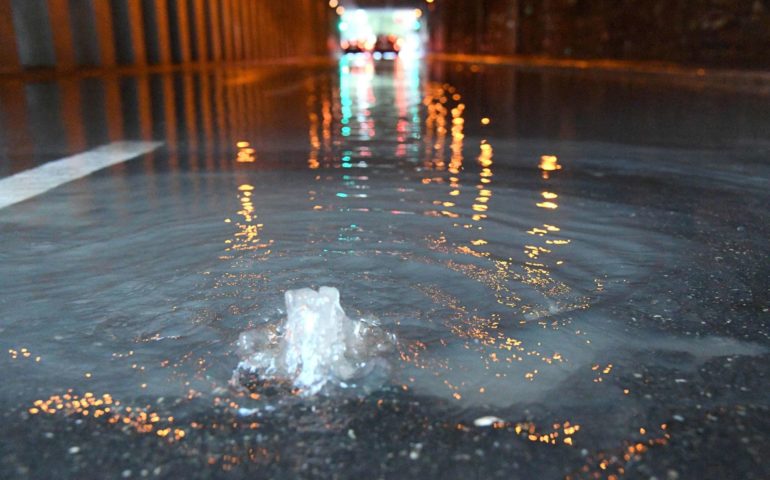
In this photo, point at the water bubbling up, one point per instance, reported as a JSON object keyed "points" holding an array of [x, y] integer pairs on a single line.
{"points": [[316, 347]]}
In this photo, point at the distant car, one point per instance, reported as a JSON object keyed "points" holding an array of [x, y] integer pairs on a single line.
{"points": [[387, 44], [353, 46]]}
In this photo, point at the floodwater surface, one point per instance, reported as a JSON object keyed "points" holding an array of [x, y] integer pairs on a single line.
{"points": [[575, 270]]}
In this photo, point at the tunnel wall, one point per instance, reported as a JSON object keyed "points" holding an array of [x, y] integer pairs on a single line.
{"points": [[67, 34], [728, 33]]}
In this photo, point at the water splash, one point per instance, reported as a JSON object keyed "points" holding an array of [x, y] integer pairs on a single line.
{"points": [[316, 347]]}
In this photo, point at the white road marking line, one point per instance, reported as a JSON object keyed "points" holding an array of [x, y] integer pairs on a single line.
{"points": [[30, 183]]}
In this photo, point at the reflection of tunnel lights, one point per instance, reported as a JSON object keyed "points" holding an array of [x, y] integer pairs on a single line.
{"points": [[549, 163]]}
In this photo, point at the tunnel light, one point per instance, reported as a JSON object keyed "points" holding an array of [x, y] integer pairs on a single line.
{"points": [[340, 10], [334, 3]]}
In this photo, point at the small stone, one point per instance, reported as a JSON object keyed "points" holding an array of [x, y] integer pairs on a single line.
{"points": [[247, 412], [672, 475], [414, 453], [678, 418], [487, 421], [74, 450], [351, 434], [125, 473]]}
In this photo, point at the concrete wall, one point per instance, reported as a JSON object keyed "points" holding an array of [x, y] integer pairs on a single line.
{"points": [[33, 32], [67, 34], [728, 33]]}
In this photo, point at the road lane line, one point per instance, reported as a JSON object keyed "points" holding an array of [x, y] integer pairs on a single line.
{"points": [[30, 183]]}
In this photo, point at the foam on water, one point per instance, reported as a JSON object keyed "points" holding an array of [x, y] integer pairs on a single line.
{"points": [[316, 346]]}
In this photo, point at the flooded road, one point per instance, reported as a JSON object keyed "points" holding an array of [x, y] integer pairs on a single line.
{"points": [[575, 268]]}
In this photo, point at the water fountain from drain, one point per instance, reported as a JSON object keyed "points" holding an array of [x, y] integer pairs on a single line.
{"points": [[316, 348]]}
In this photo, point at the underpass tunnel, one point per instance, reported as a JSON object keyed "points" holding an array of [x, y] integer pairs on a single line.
{"points": [[67, 35], [546, 220]]}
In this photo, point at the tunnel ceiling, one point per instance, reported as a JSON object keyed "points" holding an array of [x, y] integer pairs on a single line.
{"points": [[387, 3]]}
